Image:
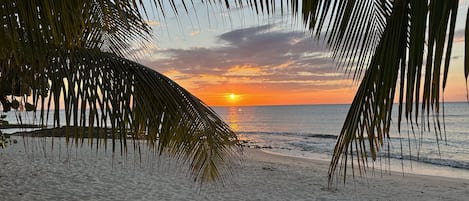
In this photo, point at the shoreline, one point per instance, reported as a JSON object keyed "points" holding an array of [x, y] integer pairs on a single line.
{"points": [[278, 157], [91, 175], [393, 170], [395, 166]]}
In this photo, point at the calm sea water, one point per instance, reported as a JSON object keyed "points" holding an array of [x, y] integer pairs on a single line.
{"points": [[310, 131]]}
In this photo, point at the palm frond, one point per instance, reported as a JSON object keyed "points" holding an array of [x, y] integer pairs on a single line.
{"points": [[399, 58], [466, 49], [116, 31], [135, 103], [70, 55], [30, 26], [405, 43]]}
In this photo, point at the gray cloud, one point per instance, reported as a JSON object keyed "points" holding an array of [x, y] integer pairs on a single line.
{"points": [[257, 55]]}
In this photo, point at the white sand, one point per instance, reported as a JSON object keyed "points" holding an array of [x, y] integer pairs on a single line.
{"points": [[261, 176]]}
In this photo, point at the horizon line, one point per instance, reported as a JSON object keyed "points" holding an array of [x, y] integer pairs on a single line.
{"points": [[310, 104]]}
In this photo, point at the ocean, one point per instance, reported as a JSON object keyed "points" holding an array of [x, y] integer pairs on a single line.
{"points": [[310, 131]]}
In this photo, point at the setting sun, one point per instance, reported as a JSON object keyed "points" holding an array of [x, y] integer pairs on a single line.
{"points": [[232, 97]]}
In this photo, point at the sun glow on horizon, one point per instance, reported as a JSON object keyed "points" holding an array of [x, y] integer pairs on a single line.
{"points": [[232, 97]]}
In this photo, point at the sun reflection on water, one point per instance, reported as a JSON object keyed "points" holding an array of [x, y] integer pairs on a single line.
{"points": [[234, 121], [233, 118]]}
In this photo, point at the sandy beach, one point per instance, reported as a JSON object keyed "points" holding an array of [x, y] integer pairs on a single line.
{"points": [[29, 174]]}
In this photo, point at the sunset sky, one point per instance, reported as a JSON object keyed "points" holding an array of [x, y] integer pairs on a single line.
{"points": [[240, 58]]}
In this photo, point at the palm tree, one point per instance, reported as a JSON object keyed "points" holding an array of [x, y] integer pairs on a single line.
{"points": [[71, 54]]}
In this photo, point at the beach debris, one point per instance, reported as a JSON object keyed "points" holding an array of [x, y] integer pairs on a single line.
{"points": [[268, 168], [250, 144], [3, 140], [244, 143]]}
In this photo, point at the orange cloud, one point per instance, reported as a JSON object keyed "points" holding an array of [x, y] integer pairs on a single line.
{"points": [[244, 70], [259, 67]]}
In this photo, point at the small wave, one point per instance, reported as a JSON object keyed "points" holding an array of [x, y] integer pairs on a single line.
{"points": [[435, 161], [428, 160], [323, 136], [306, 147], [299, 134], [319, 147]]}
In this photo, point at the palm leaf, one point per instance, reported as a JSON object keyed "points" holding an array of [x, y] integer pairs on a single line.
{"points": [[399, 58], [387, 41], [70, 53], [31, 26], [134, 102], [466, 51]]}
